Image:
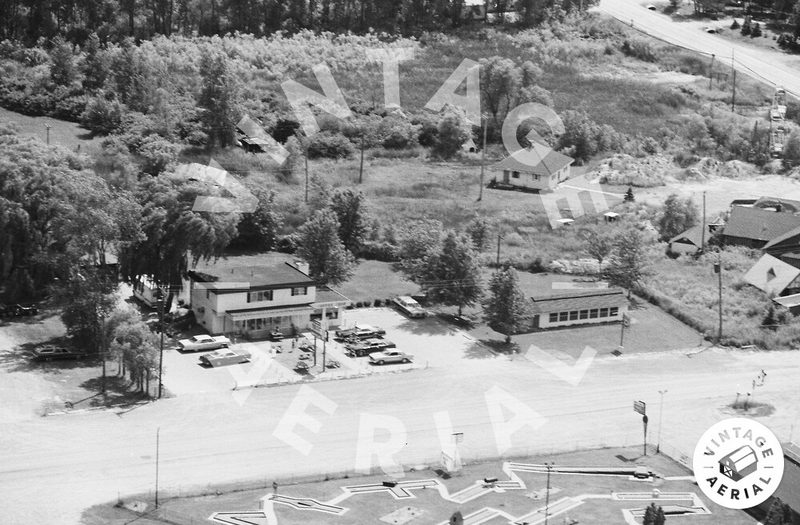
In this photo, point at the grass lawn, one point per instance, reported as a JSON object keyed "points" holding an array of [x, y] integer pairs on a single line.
{"points": [[369, 508], [62, 133]]}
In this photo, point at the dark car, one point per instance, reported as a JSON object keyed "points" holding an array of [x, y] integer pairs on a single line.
{"points": [[359, 332], [50, 352], [369, 346]]}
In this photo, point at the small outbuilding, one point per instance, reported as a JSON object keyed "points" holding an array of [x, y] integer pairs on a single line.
{"points": [[690, 241]]}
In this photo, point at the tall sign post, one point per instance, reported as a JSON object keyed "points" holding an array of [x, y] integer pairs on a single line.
{"points": [[640, 407]]}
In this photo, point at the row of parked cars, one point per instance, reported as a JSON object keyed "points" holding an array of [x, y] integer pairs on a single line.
{"points": [[364, 340]]}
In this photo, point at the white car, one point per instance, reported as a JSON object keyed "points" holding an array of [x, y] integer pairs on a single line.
{"points": [[202, 342], [409, 306], [390, 356], [224, 357]]}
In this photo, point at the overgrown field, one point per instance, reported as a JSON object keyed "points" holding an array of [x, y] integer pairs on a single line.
{"points": [[688, 289]]}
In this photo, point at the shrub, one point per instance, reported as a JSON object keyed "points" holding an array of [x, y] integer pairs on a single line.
{"points": [[157, 154], [330, 145], [639, 48], [287, 243], [756, 31], [102, 115], [397, 133], [735, 24], [378, 251]]}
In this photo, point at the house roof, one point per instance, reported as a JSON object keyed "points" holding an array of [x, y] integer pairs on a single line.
{"points": [[693, 235], [327, 295], [251, 128], [252, 278], [579, 300], [788, 301], [771, 275], [787, 205], [790, 236], [759, 224], [537, 159]]}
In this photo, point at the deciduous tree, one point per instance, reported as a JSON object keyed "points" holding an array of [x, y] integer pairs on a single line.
{"points": [[628, 263], [219, 99], [319, 245], [677, 215], [348, 205]]}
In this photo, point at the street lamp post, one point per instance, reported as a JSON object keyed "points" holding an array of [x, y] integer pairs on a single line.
{"points": [[660, 419]]}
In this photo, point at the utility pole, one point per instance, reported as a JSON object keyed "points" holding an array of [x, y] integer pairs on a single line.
{"points": [[305, 157], [361, 165], [47, 127], [660, 419], [733, 96], [622, 333], [499, 236], [483, 154], [703, 231], [158, 432], [711, 72], [161, 300], [718, 271], [547, 496]]}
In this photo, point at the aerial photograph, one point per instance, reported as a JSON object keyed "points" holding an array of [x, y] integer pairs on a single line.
{"points": [[403, 262]]}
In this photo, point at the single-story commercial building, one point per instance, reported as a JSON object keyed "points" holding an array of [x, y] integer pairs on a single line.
{"points": [[577, 307]]}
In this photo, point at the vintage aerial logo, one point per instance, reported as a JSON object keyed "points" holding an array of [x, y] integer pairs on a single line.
{"points": [[738, 463]]}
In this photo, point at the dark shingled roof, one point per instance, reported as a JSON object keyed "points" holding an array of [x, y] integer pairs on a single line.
{"points": [[759, 224], [579, 300]]}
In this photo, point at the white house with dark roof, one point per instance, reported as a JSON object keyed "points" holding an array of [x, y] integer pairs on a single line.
{"points": [[536, 167], [774, 276], [577, 307], [253, 301]]}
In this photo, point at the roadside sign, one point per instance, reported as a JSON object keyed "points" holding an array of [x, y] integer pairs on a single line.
{"points": [[318, 330], [639, 407]]}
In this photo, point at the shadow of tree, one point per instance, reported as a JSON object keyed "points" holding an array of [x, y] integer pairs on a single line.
{"points": [[501, 347], [21, 359], [119, 393]]}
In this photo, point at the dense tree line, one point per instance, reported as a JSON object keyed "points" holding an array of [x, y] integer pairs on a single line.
{"points": [[30, 20]]}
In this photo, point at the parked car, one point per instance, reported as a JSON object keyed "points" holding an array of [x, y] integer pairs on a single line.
{"points": [[276, 334], [409, 306], [368, 346], [50, 352], [225, 357], [359, 332], [332, 363], [301, 366], [25, 310], [202, 342], [390, 356]]}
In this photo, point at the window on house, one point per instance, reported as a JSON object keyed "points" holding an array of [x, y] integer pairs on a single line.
{"points": [[300, 290], [573, 315], [535, 176], [255, 297], [514, 174], [553, 318], [593, 313], [613, 312], [208, 294], [563, 316], [584, 314], [604, 312]]}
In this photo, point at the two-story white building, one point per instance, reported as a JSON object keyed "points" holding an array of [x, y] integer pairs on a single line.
{"points": [[252, 301]]}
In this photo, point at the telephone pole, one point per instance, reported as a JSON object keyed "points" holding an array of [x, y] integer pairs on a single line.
{"points": [[711, 73], [718, 271], [733, 95], [161, 300], [703, 231], [483, 154], [47, 127], [547, 497], [361, 164]]}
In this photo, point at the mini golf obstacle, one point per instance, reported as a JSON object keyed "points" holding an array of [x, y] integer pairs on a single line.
{"points": [[404, 490]]}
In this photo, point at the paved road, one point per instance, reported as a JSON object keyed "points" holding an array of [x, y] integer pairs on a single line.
{"points": [[52, 468], [773, 66]]}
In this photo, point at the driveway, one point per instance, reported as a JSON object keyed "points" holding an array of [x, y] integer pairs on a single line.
{"points": [[772, 66]]}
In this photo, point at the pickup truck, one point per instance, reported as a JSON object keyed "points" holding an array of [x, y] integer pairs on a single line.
{"points": [[203, 342], [368, 346], [390, 356]]}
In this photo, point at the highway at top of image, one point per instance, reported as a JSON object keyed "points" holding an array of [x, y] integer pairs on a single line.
{"points": [[53, 468], [772, 66]]}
